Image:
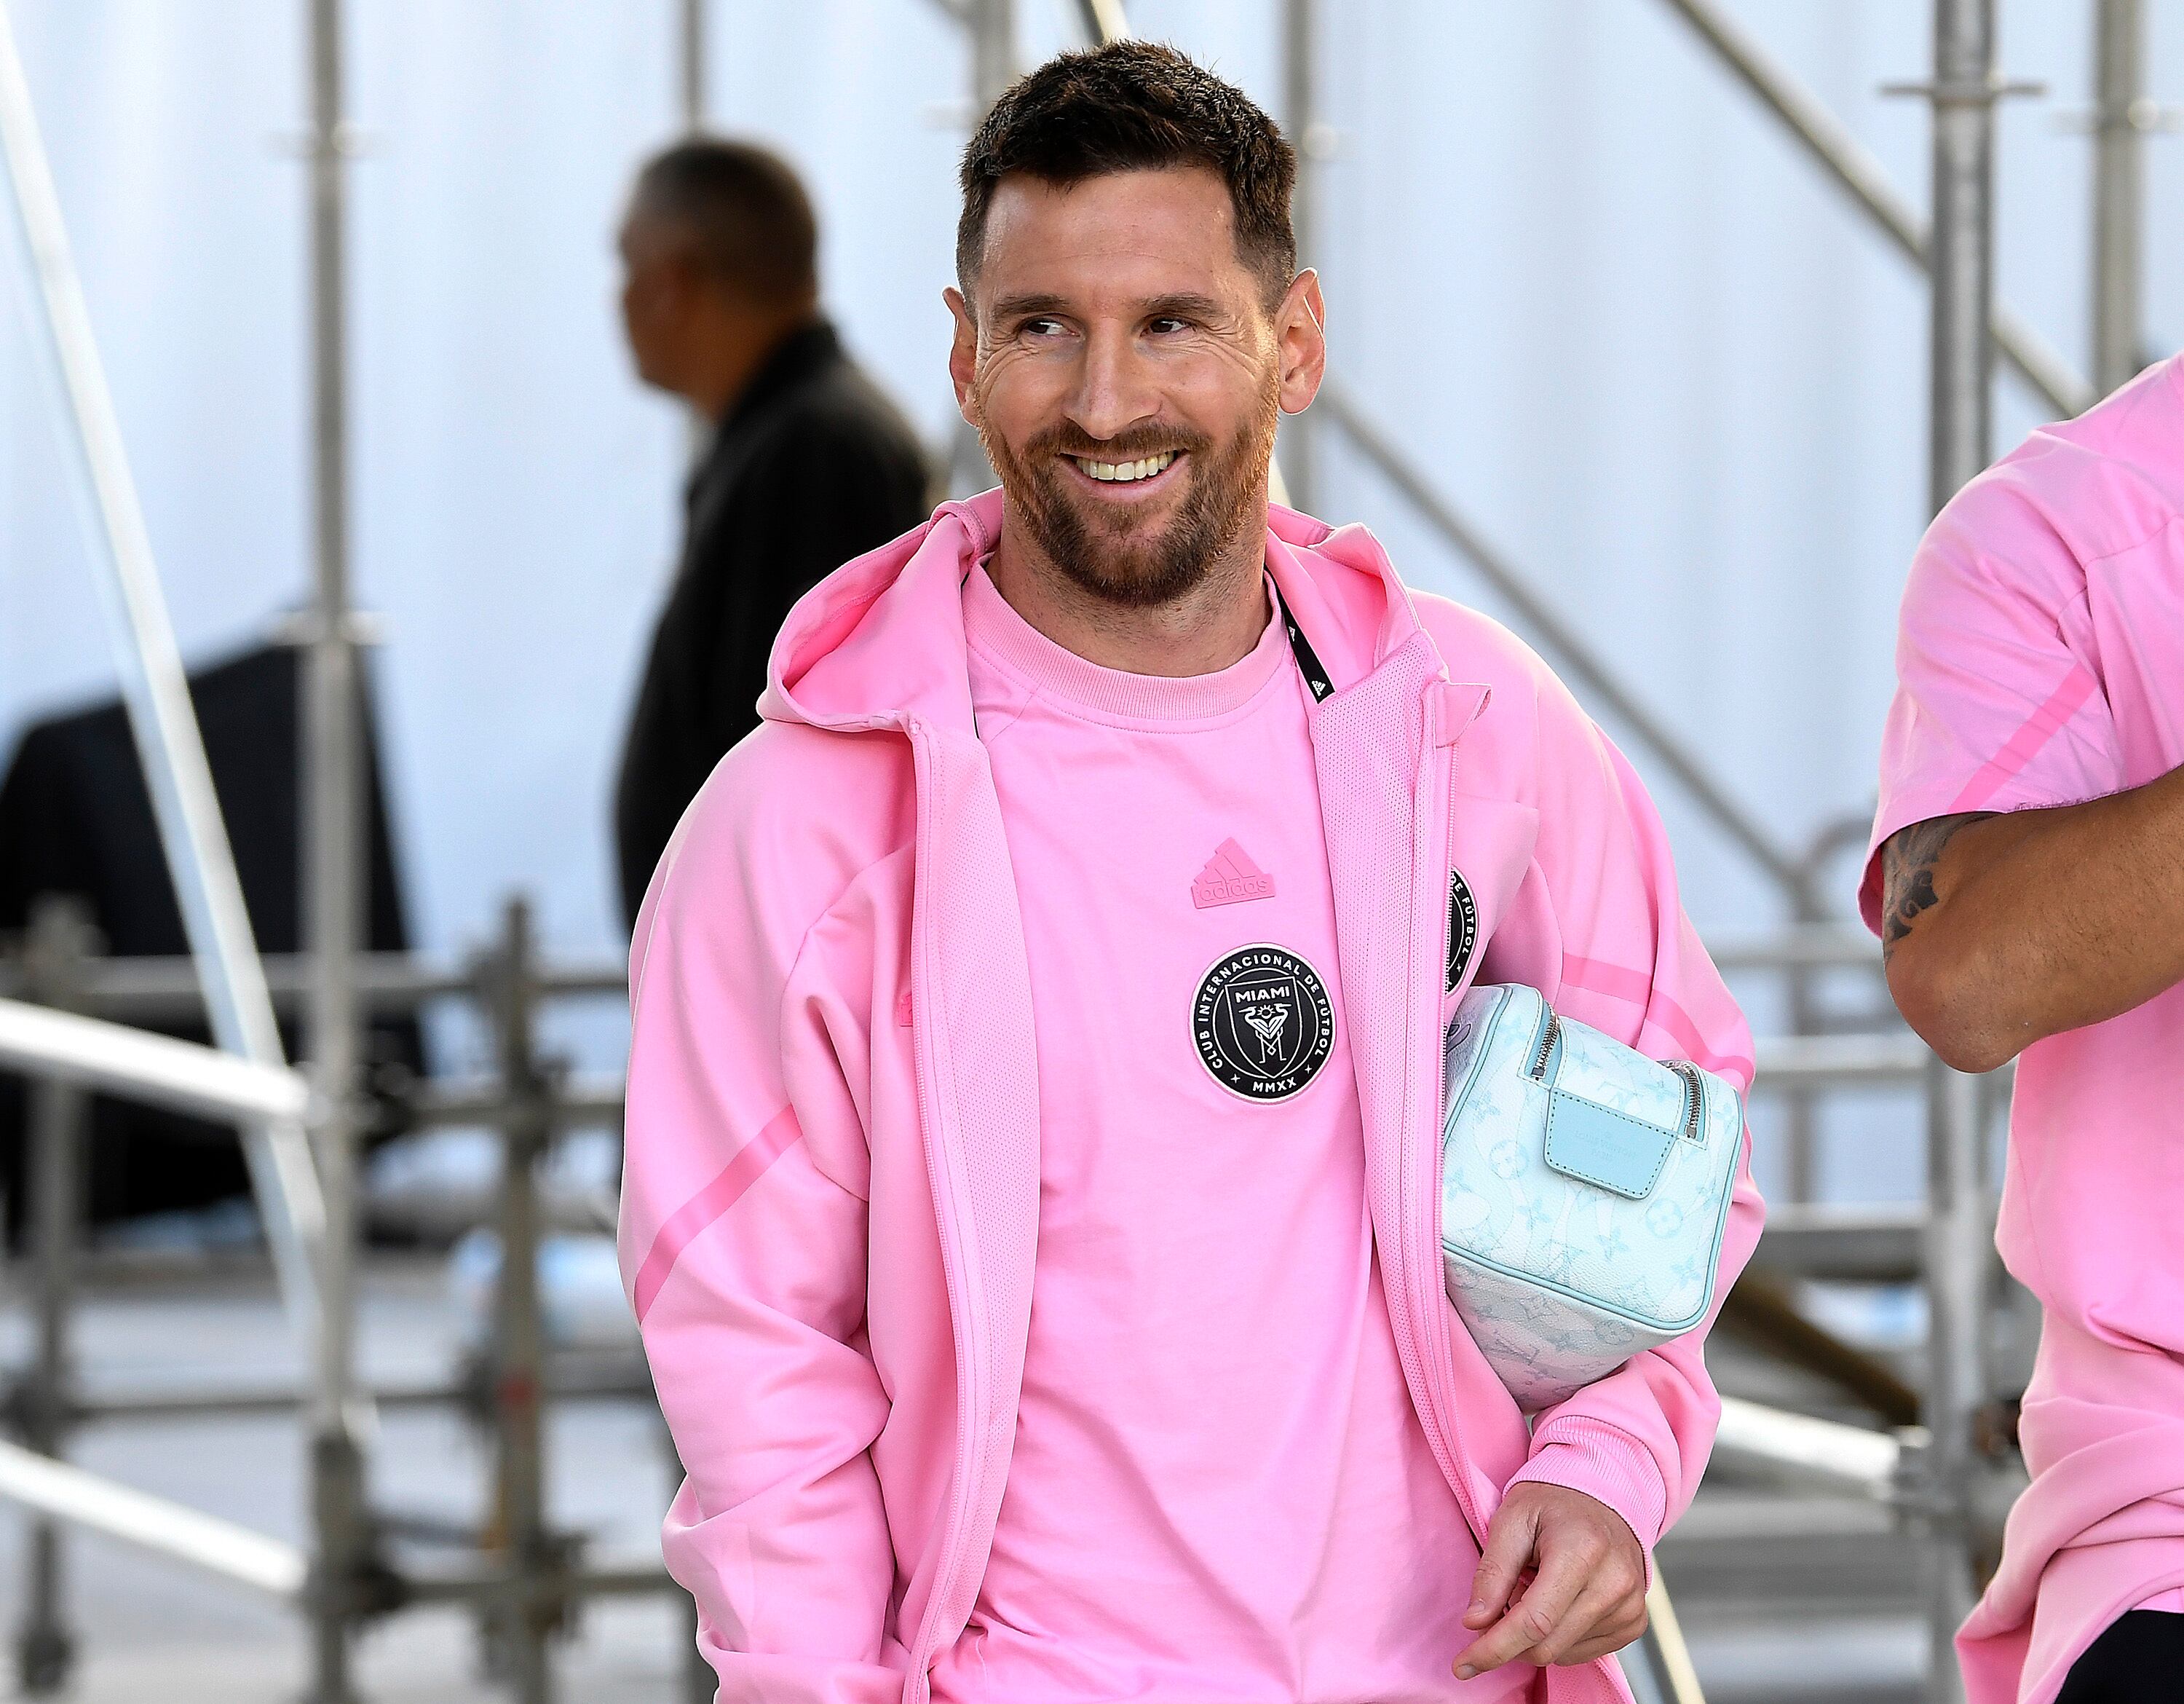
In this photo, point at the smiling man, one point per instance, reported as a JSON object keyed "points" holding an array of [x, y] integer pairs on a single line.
{"points": [[1034, 1084]]}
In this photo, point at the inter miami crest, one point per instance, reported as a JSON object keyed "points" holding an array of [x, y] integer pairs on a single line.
{"points": [[1462, 928], [1263, 1022]]}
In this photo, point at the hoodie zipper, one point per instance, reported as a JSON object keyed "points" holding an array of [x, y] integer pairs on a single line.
{"points": [[1430, 850], [1430, 838], [970, 1400]]}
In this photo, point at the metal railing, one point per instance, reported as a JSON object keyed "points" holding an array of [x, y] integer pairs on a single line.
{"points": [[525, 1575], [52, 1487]]}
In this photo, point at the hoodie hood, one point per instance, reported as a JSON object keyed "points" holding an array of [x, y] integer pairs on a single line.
{"points": [[880, 640]]}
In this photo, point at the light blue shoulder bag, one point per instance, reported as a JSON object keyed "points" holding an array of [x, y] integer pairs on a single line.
{"points": [[1584, 1190]]}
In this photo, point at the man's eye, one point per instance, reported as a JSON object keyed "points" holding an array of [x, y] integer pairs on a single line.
{"points": [[1042, 326], [1167, 324]]}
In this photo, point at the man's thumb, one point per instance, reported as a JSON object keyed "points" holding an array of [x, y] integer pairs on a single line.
{"points": [[1509, 1538]]}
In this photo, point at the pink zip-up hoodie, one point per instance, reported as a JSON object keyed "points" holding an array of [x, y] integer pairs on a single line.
{"points": [[830, 1205]]}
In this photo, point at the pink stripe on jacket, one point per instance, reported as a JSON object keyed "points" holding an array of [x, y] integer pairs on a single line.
{"points": [[836, 1326]]}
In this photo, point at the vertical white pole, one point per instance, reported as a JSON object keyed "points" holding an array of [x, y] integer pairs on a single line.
{"points": [[333, 886], [2119, 192]]}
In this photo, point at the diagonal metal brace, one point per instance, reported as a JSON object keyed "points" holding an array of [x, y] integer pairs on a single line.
{"points": [[1860, 175], [1594, 674]]}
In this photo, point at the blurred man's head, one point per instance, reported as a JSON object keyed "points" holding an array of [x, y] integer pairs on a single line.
{"points": [[1129, 320], [720, 261]]}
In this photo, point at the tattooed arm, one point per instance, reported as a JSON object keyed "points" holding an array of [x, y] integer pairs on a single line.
{"points": [[1999, 930]]}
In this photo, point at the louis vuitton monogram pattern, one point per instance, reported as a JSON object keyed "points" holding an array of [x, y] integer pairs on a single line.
{"points": [[1559, 1280]]}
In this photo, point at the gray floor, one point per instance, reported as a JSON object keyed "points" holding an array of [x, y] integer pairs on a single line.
{"points": [[1806, 1601]]}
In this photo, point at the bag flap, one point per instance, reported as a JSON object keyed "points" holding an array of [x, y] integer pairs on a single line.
{"points": [[1610, 1150], [1604, 1071]]}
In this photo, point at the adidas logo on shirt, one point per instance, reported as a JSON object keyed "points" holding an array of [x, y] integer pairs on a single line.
{"points": [[1230, 878]]}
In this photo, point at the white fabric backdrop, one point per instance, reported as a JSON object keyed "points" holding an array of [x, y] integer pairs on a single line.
{"points": [[1624, 323]]}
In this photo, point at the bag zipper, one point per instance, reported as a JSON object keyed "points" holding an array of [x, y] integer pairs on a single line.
{"points": [[1550, 1033], [1694, 1098]]}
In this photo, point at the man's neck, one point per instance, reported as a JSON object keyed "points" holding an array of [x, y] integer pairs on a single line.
{"points": [[1214, 624], [731, 359]]}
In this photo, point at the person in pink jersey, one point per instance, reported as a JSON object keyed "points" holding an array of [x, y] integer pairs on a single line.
{"points": [[1032, 1134], [2027, 878]]}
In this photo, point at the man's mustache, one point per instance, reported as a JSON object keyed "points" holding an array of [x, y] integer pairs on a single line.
{"points": [[1134, 445]]}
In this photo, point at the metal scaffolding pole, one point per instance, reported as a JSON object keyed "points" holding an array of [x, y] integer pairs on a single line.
{"points": [[201, 1082], [161, 718], [993, 52], [1958, 1236], [333, 890], [2119, 191], [1860, 175], [517, 1357], [992, 25], [1658, 1666], [61, 940], [1963, 94], [690, 62], [690, 95], [152, 1523], [1957, 1254], [1300, 36], [1105, 21]]}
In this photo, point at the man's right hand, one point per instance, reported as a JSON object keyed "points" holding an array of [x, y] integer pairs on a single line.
{"points": [[2002, 930]]}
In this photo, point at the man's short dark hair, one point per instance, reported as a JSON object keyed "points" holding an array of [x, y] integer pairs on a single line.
{"points": [[1135, 106], [748, 219]]}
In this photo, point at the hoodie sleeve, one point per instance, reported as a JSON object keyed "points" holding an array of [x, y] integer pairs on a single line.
{"points": [[1633, 968], [743, 1250]]}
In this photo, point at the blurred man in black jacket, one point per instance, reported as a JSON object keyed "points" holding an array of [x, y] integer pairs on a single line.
{"points": [[809, 464]]}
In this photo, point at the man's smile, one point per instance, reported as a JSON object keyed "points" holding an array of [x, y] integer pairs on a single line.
{"points": [[1138, 477]]}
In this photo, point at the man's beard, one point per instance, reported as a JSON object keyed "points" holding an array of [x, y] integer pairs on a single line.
{"points": [[1113, 556]]}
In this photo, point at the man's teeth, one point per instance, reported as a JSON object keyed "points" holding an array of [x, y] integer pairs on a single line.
{"points": [[1124, 471]]}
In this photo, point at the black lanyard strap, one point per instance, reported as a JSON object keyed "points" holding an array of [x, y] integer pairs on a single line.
{"points": [[1307, 659]]}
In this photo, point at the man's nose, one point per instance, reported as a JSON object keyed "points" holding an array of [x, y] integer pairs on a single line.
{"points": [[1116, 388]]}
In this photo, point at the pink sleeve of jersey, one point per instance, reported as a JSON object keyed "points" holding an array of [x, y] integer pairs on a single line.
{"points": [[743, 1242], [1995, 707], [1632, 967]]}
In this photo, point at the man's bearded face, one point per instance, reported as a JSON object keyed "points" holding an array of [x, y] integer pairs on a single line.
{"points": [[1126, 384], [1139, 552]]}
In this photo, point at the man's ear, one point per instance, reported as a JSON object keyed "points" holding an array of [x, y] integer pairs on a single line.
{"points": [[1300, 342], [963, 355]]}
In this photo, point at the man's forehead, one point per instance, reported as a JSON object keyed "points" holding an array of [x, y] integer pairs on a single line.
{"points": [[1140, 234]]}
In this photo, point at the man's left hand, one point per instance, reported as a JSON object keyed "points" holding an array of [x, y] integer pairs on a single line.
{"points": [[1585, 1595]]}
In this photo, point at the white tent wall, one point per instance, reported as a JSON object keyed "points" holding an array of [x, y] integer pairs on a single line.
{"points": [[162, 127], [1573, 270]]}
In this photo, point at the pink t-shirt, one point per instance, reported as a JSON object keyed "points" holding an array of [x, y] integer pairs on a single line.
{"points": [[2040, 663], [1219, 1487]]}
